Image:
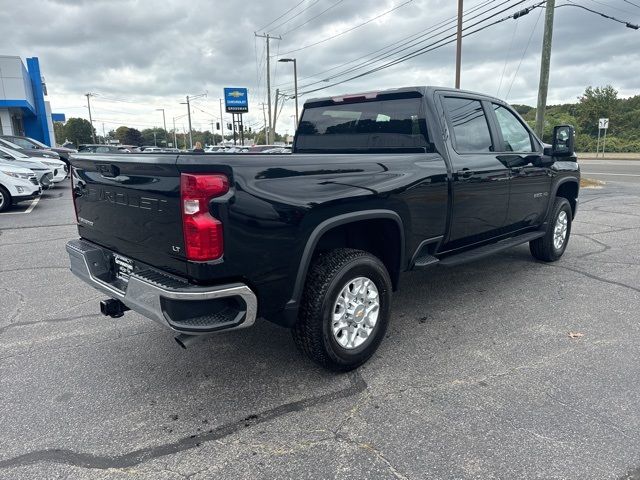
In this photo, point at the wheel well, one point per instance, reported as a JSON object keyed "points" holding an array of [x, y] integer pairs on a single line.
{"points": [[380, 237], [569, 190]]}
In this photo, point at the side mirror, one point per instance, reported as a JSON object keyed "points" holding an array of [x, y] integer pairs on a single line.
{"points": [[563, 141]]}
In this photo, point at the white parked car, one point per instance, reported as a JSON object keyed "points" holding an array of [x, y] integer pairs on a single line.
{"points": [[17, 184], [44, 173], [59, 168]]}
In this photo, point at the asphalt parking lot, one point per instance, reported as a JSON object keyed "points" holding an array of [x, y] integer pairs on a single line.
{"points": [[479, 376]]}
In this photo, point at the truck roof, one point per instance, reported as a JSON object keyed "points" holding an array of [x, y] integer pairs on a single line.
{"points": [[421, 90]]}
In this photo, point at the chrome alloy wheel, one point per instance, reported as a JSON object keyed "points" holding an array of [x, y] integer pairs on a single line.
{"points": [[355, 313], [2, 200], [560, 230]]}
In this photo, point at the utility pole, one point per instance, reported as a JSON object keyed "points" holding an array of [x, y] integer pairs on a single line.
{"points": [[189, 115], [175, 137], [93, 132], [264, 116], [295, 84], [164, 122], [543, 86], [459, 45], [213, 135], [221, 122], [268, 37], [104, 136], [275, 115]]}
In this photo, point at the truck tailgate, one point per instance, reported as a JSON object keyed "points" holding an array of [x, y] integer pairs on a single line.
{"points": [[131, 204]]}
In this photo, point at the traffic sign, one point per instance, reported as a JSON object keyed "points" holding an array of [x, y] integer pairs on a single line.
{"points": [[236, 100], [603, 123]]}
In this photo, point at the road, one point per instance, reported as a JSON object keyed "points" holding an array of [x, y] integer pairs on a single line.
{"points": [[478, 377], [627, 171]]}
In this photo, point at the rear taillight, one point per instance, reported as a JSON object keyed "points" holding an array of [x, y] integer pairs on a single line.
{"points": [[202, 232], [73, 195]]}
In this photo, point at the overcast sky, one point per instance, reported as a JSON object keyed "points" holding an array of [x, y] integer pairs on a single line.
{"points": [[138, 56]]}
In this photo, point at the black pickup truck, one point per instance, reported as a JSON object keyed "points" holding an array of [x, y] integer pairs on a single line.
{"points": [[377, 184]]}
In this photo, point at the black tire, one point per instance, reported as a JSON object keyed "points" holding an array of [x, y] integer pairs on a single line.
{"points": [[5, 199], [328, 275], [543, 248]]}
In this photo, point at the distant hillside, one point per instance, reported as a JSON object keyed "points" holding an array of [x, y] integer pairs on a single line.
{"points": [[623, 113]]}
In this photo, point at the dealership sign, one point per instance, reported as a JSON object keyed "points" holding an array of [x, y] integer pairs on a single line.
{"points": [[236, 100]]}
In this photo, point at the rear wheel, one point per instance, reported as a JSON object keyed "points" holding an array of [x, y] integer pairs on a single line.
{"points": [[344, 310], [5, 199], [551, 247]]}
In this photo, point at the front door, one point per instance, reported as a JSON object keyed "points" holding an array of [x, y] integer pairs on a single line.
{"points": [[530, 184], [480, 181]]}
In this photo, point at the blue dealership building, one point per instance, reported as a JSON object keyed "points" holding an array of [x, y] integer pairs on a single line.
{"points": [[24, 109]]}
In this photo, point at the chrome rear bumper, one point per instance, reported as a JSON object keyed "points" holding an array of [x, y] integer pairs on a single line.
{"points": [[170, 301]]}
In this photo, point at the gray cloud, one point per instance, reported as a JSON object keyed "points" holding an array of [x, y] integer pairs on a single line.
{"points": [[155, 53]]}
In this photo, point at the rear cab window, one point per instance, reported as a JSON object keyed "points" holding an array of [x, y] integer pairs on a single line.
{"points": [[467, 118], [366, 125]]}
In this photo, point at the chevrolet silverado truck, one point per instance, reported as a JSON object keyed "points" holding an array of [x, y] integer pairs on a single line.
{"points": [[378, 184]]}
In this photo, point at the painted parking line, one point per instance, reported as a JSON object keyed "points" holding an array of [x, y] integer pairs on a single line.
{"points": [[613, 174], [34, 202]]}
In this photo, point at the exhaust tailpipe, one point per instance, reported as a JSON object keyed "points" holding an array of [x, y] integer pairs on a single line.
{"points": [[185, 340]]}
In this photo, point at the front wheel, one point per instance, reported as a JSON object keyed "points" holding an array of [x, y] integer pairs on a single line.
{"points": [[551, 247], [344, 310], [5, 199]]}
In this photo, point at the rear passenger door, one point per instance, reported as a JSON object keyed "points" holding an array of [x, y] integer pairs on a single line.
{"points": [[530, 182], [480, 182]]}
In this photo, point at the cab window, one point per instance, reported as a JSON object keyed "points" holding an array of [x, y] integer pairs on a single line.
{"points": [[470, 127], [515, 136]]}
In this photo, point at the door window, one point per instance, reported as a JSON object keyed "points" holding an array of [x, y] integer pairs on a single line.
{"points": [[22, 142], [470, 127], [515, 136]]}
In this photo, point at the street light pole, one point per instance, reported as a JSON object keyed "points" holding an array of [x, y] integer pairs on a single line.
{"points": [[164, 122], [295, 84], [221, 123]]}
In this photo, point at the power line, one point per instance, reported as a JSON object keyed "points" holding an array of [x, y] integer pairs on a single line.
{"points": [[295, 16], [285, 13], [631, 3], [419, 51], [611, 6], [623, 22], [313, 18], [523, 54], [427, 35], [125, 123], [392, 46], [506, 58], [433, 46], [348, 30]]}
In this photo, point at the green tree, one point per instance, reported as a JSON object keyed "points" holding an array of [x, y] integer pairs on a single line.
{"points": [[133, 137], [160, 135], [78, 130], [58, 131], [128, 136], [121, 133], [597, 103]]}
